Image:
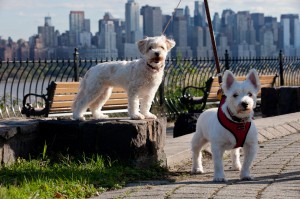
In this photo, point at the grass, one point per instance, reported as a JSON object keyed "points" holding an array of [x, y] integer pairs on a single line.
{"points": [[69, 177]]}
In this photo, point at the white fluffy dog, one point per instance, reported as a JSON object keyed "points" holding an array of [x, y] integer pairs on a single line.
{"points": [[140, 78], [229, 127]]}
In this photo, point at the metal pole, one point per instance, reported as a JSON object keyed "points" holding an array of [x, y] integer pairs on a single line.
{"points": [[212, 38], [226, 60], [76, 56], [281, 68]]}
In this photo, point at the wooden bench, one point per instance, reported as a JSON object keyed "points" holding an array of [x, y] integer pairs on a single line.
{"points": [[210, 92], [60, 97]]}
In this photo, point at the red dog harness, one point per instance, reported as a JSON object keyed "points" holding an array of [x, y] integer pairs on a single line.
{"points": [[238, 129]]}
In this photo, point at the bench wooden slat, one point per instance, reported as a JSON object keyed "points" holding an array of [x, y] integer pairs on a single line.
{"points": [[72, 96], [62, 104], [67, 85], [65, 90], [105, 107]]}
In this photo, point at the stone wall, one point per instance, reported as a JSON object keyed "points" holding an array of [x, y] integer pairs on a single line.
{"points": [[139, 141], [278, 101]]}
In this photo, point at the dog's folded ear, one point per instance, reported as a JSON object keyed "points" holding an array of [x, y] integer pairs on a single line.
{"points": [[228, 80], [170, 43], [253, 78], [142, 45]]}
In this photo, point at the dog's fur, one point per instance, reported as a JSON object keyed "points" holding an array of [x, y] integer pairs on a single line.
{"points": [[240, 100], [140, 78]]}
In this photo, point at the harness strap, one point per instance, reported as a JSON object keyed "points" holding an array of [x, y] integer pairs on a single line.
{"points": [[238, 129]]}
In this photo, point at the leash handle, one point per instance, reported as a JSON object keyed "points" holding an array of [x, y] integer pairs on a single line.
{"points": [[213, 42]]}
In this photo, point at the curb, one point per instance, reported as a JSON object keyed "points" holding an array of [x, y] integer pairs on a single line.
{"points": [[178, 149]]}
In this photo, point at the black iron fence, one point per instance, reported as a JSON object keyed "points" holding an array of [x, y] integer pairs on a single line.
{"points": [[18, 78]]}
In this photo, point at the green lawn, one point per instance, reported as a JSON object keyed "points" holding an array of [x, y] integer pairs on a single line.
{"points": [[67, 177]]}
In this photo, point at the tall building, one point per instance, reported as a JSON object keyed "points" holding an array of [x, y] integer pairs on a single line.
{"points": [[243, 34], [133, 22], [48, 34], [107, 36], [87, 25], [258, 23], [180, 33], [227, 26], [152, 20], [290, 31], [76, 21], [197, 44], [200, 14], [216, 23]]}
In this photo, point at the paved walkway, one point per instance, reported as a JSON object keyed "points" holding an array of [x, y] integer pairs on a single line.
{"points": [[276, 170]]}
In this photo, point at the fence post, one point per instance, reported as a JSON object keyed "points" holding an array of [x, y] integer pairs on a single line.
{"points": [[161, 93], [76, 57], [226, 60], [281, 68]]}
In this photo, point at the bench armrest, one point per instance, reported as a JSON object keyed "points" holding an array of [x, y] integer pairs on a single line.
{"points": [[188, 99], [29, 110]]}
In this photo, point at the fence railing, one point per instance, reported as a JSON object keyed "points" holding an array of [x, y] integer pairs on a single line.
{"points": [[18, 78]]}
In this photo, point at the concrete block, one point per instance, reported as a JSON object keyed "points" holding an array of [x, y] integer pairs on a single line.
{"points": [[141, 141], [17, 139]]}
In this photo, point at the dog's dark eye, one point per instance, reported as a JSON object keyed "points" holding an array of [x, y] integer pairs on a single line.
{"points": [[150, 48], [162, 47], [250, 94], [235, 95]]}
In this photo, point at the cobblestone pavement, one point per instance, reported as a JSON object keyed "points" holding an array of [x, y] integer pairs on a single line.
{"points": [[276, 170]]}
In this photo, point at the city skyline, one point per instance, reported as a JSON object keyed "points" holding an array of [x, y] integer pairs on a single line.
{"points": [[22, 19]]}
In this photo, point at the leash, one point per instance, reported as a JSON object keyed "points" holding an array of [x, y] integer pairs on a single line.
{"points": [[213, 42], [171, 18]]}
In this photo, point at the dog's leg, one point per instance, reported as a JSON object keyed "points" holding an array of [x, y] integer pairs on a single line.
{"points": [[235, 158], [197, 144], [146, 102], [217, 153], [133, 107], [97, 104], [80, 105], [250, 152]]}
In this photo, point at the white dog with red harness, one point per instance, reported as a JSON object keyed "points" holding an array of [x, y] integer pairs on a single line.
{"points": [[229, 127]]}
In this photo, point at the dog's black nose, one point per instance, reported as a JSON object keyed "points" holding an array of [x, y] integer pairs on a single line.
{"points": [[157, 54], [244, 104]]}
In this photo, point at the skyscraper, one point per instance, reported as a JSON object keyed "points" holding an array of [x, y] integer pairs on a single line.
{"points": [[152, 20], [290, 31], [133, 22], [199, 14], [76, 20], [47, 33], [180, 34], [107, 32]]}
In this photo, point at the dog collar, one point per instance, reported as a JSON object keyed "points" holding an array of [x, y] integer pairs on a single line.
{"points": [[237, 119], [153, 68], [238, 129]]}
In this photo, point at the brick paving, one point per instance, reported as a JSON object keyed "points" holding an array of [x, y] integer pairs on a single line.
{"points": [[276, 170]]}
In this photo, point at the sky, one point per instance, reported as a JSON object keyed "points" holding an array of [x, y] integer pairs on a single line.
{"points": [[20, 18]]}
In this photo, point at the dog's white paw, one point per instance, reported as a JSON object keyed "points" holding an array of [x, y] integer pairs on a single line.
{"points": [[236, 167], [197, 170], [137, 116], [150, 116], [246, 178], [80, 118], [101, 116], [219, 179]]}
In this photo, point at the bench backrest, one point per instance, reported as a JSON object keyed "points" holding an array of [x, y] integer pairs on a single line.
{"points": [[265, 81], [62, 94]]}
